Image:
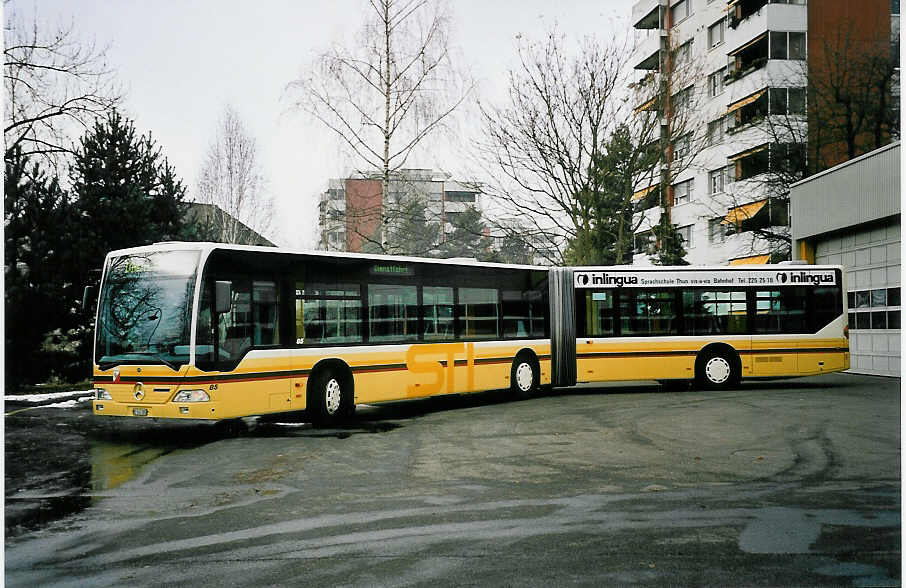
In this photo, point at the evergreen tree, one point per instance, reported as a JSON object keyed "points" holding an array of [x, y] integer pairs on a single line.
{"points": [[467, 238], [606, 239], [409, 232], [513, 249], [671, 250], [126, 193], [38, 220]]}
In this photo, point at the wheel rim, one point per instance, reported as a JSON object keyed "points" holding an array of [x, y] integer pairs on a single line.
{"points": [[524, 377], [717, 370], [332, 396]]}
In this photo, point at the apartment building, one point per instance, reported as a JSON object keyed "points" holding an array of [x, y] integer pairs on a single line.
{"points": [[747, 93], [354, 210]]}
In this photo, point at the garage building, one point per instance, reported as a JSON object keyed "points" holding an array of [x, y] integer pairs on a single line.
{"points": [[850, 215]]}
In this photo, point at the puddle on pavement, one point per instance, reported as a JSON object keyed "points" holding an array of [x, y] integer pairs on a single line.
{"points": [[56, 469]]}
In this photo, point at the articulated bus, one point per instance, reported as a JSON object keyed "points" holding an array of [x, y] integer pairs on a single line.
{"points": [[218, 332]]}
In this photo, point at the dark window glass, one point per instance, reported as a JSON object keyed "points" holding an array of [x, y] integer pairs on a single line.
{"points": [[708, 312], [265, 306], [825, 306], [780, 311], [599, 314], [648, 312], [477, 313], [328, 313], [777, 100], [235, 328], [797, 46], [852, 320], [863, 320], [796, 101], [778, 45], [851, 299], [893, 319], [437, 313], [893, 297], [879, 297], [523, 314], [863, 299], [392, 312], [879, 320]]}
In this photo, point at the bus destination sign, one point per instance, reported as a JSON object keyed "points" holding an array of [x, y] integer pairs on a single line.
{"points": [[698, 278]]}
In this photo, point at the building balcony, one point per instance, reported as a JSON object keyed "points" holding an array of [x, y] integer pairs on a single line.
{"points": [[648, 50], [649, 14], [776, 72], [761, 16]]}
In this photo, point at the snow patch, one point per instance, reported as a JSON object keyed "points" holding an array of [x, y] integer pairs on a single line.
{"points": [[39, 398]]}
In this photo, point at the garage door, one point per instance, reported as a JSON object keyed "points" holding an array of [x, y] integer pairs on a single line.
{"points": [[871, 257]]}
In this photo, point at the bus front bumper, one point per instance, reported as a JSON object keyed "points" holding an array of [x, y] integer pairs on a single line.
{"points": [[169, 410]]}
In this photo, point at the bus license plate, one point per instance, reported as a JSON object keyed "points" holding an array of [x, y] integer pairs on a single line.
{"points": [[139, 412]]}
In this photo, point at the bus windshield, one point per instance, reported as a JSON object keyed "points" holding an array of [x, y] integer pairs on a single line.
{"points": [[145, 309]]}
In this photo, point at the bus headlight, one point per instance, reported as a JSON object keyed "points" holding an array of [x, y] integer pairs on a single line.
{"points": [[191, 396], [101, 394]]}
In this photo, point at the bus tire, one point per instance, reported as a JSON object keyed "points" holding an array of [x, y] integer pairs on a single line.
{"points": [[524, 377], [329, 398], [717, 369]]}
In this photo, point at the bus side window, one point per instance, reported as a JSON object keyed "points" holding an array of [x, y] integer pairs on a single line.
{"points": [[392, 312], [437, 313], [780, 311], [477, 313], [265, 302], [235, 328], [599, 314]]}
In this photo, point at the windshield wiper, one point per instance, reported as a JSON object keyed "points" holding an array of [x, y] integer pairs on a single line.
{"points": [[158, 357]]}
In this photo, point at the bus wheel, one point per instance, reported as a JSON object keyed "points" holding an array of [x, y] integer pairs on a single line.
{"points": [[717, 370], [328, 398], [524, 377]]}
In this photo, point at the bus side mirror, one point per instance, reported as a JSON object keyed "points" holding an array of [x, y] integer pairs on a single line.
{"points": [[223, 296], [87, 299]]}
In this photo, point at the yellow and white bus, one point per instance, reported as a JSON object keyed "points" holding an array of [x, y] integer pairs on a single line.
{"points": [[216, 332]]}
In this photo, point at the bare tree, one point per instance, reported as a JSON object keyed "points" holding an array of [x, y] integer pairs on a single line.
{"points": [[570, 154], [384, 96], [232, 186], [56, 86], [540, 146]]}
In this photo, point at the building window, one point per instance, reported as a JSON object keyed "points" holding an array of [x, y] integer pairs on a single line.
{"points": [[717, 129], [786, 45], [717, 230], [716, 82], [685, 232], [786, 100], [682, 145], [682, 192], [716, 34], [894, 7], [680, 11], [684, 52], [874, 309], [451, 196], [718, 179], [683, 98]]}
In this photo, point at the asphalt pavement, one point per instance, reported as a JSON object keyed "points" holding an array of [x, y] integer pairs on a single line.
{"points": [[791, 482]]}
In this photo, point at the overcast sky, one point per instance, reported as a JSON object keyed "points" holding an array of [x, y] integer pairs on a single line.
{"points": [[182, 62]]}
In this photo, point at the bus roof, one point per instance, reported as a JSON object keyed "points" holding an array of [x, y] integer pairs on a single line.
{"points": [[207, 246]]}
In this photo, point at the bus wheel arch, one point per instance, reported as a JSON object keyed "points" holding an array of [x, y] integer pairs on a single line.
{"points": [[718, 366], [330, 393], [525, 374]]}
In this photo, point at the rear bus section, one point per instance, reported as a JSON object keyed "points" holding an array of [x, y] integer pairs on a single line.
{"points": [[712, 325]]}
